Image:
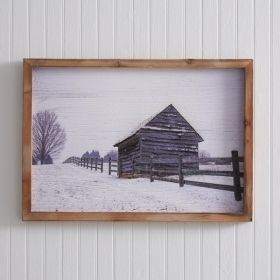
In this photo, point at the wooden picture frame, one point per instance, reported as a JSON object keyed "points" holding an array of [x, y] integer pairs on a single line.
{"points": [[30, 64]]}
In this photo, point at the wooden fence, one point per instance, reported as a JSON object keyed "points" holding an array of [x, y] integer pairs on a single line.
{"points": [[152, 170], [94, 163]]}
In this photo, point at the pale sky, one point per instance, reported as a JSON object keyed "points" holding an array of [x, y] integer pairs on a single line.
{"points": [[97, 107]]}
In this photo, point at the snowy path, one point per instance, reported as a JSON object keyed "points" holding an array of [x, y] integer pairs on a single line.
{"points": [[65, 187]]}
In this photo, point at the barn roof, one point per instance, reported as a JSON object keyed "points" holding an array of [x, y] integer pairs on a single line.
{"points": [[169, 119]]}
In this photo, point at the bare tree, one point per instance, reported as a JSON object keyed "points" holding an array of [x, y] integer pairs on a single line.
{"points": [[48, 137]]}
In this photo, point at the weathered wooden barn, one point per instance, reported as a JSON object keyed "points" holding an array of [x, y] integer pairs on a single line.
{"points": [[162, 139]]}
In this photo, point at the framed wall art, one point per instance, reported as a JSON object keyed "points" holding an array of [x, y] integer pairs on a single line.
{"points": [[150, 140]]}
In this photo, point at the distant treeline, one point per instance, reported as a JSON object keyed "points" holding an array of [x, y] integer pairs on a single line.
{"points": [[95, 154]]}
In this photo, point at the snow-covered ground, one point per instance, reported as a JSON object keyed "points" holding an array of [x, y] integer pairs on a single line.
{"points": [[66, 187]]}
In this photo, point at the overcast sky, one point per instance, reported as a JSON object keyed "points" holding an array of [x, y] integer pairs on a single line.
{"points": [[99, 107]]}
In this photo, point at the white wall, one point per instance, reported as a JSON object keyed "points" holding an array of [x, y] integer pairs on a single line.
{"points": [[141, 29]]}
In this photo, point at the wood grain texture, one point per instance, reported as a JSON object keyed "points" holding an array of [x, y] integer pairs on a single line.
{"points": [[245, 232], [210, 234], [246, 64], [53, 253], [138, 63], [193, 48], [36, 232], [19, 48], [228, 43], [257, 257]]}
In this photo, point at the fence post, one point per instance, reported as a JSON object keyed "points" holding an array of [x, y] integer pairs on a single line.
{"points": [[109, 165], [236, 175], [101, 165], [95, 167], [151, 169], [180, 171], [81, 162], [87, 163], [91, 163]]}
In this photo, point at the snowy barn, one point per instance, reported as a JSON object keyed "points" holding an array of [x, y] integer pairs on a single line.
{"points": [[162, 139]]}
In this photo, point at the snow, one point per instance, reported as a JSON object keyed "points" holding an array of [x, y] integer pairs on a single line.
{"points": [[66, 187]]}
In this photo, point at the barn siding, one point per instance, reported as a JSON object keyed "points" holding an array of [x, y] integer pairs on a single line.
{"points": [[165, 137], [127, 153], [169, 118], [167, 146], [148, 250]]}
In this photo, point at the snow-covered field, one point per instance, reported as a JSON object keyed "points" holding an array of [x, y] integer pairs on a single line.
{"points": [[66, 187]]}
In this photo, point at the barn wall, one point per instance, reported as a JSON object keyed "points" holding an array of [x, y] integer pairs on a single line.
{"points": [[166, 147], [141, 29], [127, 153], [166, 144]]}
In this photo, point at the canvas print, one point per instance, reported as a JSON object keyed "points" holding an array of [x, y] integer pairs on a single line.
{"points": [[137, 140]]}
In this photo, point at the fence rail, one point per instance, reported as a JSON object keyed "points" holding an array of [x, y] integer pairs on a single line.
{"points": [[94, 163], [152, 168], [218, 160]]}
